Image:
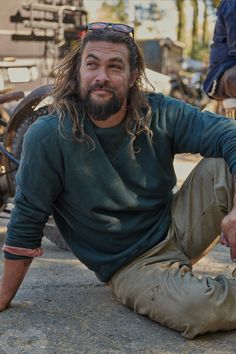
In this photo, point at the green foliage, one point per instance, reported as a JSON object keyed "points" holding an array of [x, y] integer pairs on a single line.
{"points": [[194, 28], [200, 46], [181, 20], [214, 3], [205, 24], [201, 52]]}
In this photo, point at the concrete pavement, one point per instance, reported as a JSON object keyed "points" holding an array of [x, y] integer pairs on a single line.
{"points": [[62, 308]]}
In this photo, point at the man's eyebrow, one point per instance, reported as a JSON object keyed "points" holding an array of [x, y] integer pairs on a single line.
{"points": [[115, 59], [91, 55]]}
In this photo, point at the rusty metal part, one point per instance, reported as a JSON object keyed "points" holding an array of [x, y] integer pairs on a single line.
{"points": [[28, 104], [3, 185], [6, 90], [230, 113], [229, 105], [12, 96]]}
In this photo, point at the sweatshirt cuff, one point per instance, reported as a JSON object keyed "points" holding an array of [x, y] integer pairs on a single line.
{"points": [[20, 251]]}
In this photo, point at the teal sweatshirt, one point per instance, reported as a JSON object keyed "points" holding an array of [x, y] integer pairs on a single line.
{"points": [[111, 203]]}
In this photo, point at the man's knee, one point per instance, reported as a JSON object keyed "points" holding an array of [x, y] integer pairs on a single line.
{"points": [[208, 169], [213, 166], [212, 162], [214, 174]]}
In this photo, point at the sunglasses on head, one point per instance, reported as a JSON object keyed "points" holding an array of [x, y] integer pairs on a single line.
{"points": [[119, 27]]}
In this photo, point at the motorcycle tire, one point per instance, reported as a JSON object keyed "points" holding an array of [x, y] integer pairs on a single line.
{"points": [[50, 231]]}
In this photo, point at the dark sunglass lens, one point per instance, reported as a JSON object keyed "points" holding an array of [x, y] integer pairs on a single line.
{"points": [[122, 28], [97, 26]]}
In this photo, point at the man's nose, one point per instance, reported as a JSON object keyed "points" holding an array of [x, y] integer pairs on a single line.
{"points": [[102, 75]]}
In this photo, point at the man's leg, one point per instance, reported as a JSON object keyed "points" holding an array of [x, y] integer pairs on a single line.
{"points": [[200, 205], [160, 283], [227, 84]]}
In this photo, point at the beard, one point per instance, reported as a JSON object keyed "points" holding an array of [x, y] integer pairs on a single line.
{"points": [[101, 111]]}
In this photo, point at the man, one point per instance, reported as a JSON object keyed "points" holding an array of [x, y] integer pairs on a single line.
{"points": [[103, 166], [220, 82]]}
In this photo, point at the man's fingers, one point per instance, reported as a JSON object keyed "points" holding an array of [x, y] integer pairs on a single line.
{"points": [[232, 246], [223, 240], [229, 242]]}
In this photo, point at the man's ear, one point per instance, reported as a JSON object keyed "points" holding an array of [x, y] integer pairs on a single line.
{"points": [[133, 78]]}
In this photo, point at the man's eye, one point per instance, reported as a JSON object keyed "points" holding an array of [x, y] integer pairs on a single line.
{"points": [[91, 64], [115, 67]]}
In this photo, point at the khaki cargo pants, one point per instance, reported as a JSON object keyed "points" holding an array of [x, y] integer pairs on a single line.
{"points": [[160, 283]]}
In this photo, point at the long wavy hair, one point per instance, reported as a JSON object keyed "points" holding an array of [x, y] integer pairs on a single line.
{"points": [[66, 91]]}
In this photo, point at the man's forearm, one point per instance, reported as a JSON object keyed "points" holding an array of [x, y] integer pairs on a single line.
{"points": [[13, 275], [234, 197], [228, 226]]}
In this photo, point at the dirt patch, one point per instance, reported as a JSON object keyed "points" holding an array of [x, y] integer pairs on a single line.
{"points": [[189, 157]]}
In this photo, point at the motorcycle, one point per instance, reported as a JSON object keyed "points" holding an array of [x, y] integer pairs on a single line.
{"points": [[187, 87]]}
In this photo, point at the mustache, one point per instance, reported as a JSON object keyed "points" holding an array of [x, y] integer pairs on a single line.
{"points": [[100, 86]]}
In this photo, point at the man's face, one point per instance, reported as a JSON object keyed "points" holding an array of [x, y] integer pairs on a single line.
{"points": [[104, 78]]}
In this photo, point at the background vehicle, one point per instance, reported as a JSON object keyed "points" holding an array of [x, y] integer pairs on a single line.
{"points": [[15, 75], [6, 96], [40, 33], [162, 55], [188, 87], [165, 56]]}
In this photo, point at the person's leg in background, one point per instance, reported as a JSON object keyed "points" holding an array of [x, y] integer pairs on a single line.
{"points": [[226, 87], [160, 283]]}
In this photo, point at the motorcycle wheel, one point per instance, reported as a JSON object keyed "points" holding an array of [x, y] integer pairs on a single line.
{"points": [[50, 231]]}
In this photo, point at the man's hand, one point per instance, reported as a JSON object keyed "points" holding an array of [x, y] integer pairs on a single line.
{"points": [[13, 275], [228, 237]]}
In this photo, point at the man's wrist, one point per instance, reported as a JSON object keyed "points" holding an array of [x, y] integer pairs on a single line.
{"points": [[3, 306]]}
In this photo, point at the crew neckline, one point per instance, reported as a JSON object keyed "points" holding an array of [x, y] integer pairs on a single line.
{"points": [[117, 128]]}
